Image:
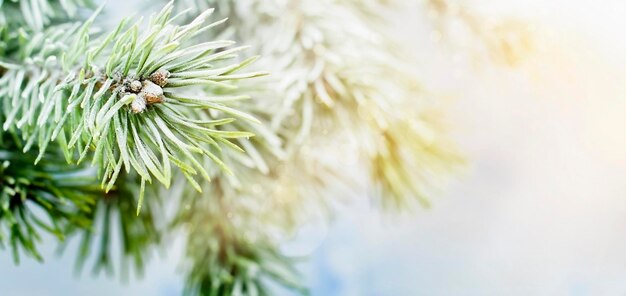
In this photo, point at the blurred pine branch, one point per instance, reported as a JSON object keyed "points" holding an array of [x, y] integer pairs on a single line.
{"points": [[245, 159]]}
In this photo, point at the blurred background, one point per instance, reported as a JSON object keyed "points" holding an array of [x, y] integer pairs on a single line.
{"points": [[541, 207]]}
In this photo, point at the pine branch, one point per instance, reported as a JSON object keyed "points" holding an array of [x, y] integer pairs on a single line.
{"points": [[131, 97], [115, 220], [227, 254], [50, 197], [327, 83], [411, 158], [219, 222], [37, 14]]}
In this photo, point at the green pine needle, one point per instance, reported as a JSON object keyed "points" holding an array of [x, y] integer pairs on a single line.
{"points": [[135, 99], [37, 14], [50, 197]]}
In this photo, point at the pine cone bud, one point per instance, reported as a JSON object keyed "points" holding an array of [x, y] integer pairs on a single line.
{"points": [[138, 104], [135, 86], [151, 92], [160, 77]]}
